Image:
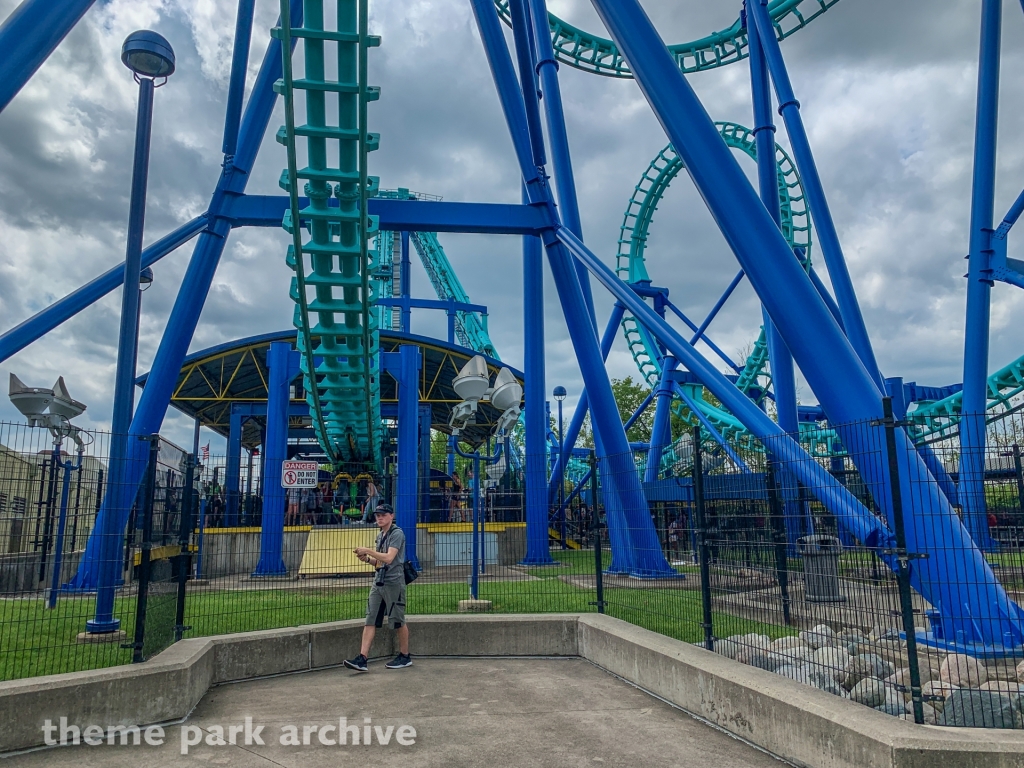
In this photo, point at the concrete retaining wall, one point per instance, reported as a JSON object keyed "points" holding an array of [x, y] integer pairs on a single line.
{"points": [[804, 725], [229, 553], [20, 572]]}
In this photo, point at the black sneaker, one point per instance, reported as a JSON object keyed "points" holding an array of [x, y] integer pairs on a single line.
{"points": [[400, 661], [358, 663]]}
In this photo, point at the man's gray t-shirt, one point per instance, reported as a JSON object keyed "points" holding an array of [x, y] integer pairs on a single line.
{"points": [[395, 537]]}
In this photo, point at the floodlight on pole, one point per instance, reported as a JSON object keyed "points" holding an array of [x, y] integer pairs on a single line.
{"points": [[53, 408]]}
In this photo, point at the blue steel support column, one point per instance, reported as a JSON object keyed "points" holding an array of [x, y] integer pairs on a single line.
{"points": [[535, 420], [783, 376], [404, 278], [779, 357], [425, 414], [894, 388], [28, 37], [410, 361], [661, 431], [239, 68], [522, 34], [637, 538], [558, 137], [979, 285], [831, 250], [580, 414], [233, 466], [283, 363], [112, 517]]}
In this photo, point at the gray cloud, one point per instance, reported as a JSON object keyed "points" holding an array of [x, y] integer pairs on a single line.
{"points": [[887, 90]]}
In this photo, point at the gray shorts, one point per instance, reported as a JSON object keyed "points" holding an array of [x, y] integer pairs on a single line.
{"points": [[386, 603]]}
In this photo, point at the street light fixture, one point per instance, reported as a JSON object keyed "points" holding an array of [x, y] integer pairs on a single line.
{"points": [[559, 394], [149, 56]]}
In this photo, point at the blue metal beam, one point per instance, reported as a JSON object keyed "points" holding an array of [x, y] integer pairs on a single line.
{"points": [[979, 281], [28, 37], [561, 159], [283, 365], [403, 215], [44, 321], [582, 405], [661, 433], [831, 249], [635, 537], [537, 551], [779, 357], [239, 69]]}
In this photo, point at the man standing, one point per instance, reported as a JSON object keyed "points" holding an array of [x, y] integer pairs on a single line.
{"points": [[387, 595]]}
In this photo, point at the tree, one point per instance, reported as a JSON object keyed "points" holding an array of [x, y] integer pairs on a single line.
{"points": [[629, 395]]}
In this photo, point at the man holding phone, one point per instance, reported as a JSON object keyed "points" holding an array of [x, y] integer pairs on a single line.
{"points": [[387, 595]]}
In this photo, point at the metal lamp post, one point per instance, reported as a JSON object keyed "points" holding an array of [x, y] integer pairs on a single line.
{"points": [[559, 394], [150, 57]]}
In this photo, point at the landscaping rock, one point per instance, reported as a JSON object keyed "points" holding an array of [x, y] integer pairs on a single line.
{"points": [[868, 665], [825, 682], [794, 673], [819, 637], [1020, 672], [963, 671], [761, 659], [938, 688], [787, 643], [848, 636], [727, 648], [834, 660], [752, 640], [970, 708], [931, 715], [799, 655], [870, 691], [1003, 686]]}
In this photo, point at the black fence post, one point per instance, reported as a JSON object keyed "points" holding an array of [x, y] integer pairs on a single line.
{"points": [[903, 559], [47, 534], [183, 561], [144, 521], [776, 516], [596, 528], [1019, 472], [702, 541]]}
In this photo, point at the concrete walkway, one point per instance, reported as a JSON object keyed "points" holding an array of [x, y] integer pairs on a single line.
{"points": [[465, 712]]}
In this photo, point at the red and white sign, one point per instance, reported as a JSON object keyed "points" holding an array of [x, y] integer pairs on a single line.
{"points": [[299, 474]]}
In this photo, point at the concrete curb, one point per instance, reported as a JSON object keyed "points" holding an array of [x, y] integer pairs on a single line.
{"points": [[803, 725], [168, 686]]}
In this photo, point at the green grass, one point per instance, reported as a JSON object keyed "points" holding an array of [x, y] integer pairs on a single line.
{"points": [[36, 641]]}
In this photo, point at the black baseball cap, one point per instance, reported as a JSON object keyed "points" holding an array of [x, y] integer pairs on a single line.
{"points": [[383, 509]]}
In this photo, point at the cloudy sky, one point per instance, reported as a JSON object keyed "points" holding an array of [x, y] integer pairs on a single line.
{"points": [[887, 91]]}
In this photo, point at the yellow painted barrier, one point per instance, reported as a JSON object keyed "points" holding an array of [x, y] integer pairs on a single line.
{"points": [[467, 527], [163, 553], [329, 551], [570, 543]]}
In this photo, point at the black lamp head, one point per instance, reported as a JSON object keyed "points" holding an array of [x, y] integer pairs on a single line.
{"points": [[559, 393], [148, 54]]}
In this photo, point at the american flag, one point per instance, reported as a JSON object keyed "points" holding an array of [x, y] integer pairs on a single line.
{"points": [[206, 452]]}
